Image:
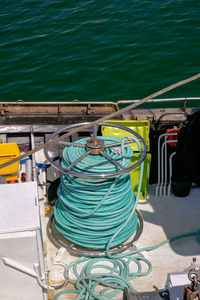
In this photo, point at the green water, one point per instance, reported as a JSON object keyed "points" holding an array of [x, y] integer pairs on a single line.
{"points": [[97, 50]]}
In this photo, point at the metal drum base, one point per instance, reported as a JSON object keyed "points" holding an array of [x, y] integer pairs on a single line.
{"points": [[60, 241]]}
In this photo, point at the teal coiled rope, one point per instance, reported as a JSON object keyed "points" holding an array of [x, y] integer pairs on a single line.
{"points": [[118, 275], [101, 214], [90, 211]]}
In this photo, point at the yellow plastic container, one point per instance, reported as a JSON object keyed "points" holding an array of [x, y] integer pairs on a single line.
{"points": [[143, 128], [135, 175], [8, 151]]}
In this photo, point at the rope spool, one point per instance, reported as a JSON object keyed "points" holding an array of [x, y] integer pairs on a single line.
{"points": [[96, 208], [104, 277], [90, 211]]}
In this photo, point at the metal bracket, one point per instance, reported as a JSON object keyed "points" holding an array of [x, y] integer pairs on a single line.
{"points": [[194, 271], [36, 273], [194, 275]]}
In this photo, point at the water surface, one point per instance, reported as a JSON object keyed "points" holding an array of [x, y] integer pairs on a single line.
{"points": [[97, 50]]}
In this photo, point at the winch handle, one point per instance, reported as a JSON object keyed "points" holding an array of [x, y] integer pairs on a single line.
{"points": [[101, 152]]}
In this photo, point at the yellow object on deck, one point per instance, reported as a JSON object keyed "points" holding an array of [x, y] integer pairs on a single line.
{"points": [[142, 128], [9, 151]]}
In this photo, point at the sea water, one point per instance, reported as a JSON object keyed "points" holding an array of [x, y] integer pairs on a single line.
{"points": [[97, 50]]}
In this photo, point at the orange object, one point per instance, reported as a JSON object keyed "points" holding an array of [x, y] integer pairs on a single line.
{"points": [[172, 137]]}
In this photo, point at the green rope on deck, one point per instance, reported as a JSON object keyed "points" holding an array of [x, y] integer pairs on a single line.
{"points": [[118, 275], [101, 214]]}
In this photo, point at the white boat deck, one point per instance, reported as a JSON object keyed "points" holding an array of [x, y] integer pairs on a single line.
{"points": [[163, 218]]}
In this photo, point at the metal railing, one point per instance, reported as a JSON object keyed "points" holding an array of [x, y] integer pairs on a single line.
{"points": [[160, 100]]}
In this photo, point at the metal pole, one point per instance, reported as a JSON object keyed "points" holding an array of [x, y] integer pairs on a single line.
{"points": [[33, 155]]}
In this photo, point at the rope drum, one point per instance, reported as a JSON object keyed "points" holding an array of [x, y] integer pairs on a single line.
{"points": [[99, 212], [90, 211]]}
